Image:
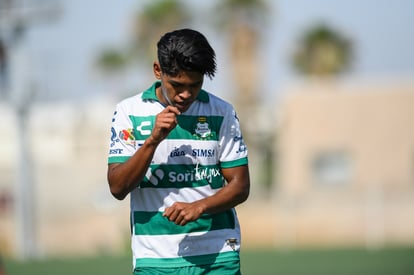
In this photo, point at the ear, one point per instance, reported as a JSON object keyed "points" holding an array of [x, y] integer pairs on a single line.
{"points": [[157, 70]]}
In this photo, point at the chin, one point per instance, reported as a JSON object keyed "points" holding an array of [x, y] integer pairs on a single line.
{"points": [[182, 108]]}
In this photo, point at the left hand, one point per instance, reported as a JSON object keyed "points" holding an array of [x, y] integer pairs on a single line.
{"points": [[182, 213]]}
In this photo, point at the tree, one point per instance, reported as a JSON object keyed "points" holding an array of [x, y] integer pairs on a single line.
{"points": [[242, 22], [111, 60], [148, 25], [155, 19], [322, 52]]}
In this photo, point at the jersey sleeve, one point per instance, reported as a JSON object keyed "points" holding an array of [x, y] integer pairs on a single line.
{"points": [[233, 150], [122, 142]]}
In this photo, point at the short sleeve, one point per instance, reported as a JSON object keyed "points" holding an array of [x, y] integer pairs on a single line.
{"points": [[233, 150], [122, 143]]}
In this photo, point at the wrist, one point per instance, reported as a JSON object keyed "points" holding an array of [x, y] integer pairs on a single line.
{"points": [[202, 207], [152, 142]]}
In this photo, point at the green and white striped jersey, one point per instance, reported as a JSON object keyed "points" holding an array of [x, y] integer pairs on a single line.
{"points": [[186, 167]]}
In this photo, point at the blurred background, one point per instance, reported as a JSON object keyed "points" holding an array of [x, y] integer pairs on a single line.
{"points": [[324, 91]]}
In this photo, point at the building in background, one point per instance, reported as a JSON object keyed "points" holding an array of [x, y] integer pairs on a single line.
{"points": [[345, 165], [74, 211]]}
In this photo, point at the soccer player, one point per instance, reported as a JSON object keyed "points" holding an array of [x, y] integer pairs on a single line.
{"points": [[179, 152]]}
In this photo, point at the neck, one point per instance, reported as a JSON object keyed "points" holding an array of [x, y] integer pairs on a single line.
{"points": [[163, 97]]}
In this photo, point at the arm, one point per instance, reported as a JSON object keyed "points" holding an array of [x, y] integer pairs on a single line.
{"points": [[233, 193], [124, 177]]}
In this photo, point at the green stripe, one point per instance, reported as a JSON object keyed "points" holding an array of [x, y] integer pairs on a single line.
{"points": [[187, 126], [186, 129], [189, 260], [118, 159], [234, 163], [140, 125], [181, 176], [153, 223]]}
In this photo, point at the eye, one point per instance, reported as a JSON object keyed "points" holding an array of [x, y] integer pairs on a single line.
{"points": [[176, 85]]}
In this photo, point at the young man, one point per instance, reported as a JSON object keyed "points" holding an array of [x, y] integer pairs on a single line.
{"points": [[179, 152]]}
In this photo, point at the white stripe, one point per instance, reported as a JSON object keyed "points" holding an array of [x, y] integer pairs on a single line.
{"points": [[157, 199], [183, 245], [179, 151]]}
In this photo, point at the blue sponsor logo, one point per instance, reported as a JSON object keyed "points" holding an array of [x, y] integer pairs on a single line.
{"points": [[204, 153], [114, 137], [237, 138], [115, 151], [242, 148], [113, 118], [177, 153], [207, 174], [200, 153]]}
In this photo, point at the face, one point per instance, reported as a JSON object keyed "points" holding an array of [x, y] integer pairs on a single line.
{"points": [[180, 90]]}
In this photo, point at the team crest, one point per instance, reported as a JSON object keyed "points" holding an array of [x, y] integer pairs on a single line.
{"points": [[202, 128]]}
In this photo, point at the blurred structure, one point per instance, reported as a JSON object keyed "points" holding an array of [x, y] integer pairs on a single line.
{"points": [[344, 158], [3, 69], [75, 212], [16, 86], [346, 165]]}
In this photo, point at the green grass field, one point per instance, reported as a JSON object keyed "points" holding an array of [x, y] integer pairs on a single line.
{"points": [[397, 261]]}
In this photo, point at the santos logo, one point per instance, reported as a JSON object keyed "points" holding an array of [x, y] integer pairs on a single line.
{"points": [[198, 174]]}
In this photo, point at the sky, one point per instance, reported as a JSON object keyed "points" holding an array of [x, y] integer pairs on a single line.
{"points": [[62, 51], [381, 30]]}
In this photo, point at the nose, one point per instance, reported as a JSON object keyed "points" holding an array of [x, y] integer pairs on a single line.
{"points": [[185, 94]]}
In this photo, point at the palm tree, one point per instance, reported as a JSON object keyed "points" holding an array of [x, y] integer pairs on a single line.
{"points": [[111, 60], [242, 21], [148, 25], [323, 52], [154, 20]]}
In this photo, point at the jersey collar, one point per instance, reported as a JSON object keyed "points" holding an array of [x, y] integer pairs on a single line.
{"points": [[150, 94]]}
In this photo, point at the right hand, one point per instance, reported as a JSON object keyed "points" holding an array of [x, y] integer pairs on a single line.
{"points": [[165, 122]]}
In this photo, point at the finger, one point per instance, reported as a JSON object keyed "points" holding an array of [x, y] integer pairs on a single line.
{"points": [[169, 125], [167, 117], [166, 121], [172, 215], [183, 222], [172, 109], [167, 212], [179, 220]]}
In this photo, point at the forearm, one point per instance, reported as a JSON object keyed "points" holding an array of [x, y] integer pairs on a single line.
{"points": [[235, 192], [124, 177], [228, 197], [232, 194]]}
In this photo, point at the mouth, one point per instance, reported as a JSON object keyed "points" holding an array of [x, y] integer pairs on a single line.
{"points": [[182, 106]]}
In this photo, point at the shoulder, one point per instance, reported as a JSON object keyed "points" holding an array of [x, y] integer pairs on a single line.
{"points": [[131, 101], [139, 105], [219, 104], [133, 104]]}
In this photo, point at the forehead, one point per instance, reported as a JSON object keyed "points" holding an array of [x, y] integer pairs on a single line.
{"points": [[186, 77]]}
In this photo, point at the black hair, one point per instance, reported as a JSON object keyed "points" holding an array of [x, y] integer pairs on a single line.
{"points": [[186, 50]]}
